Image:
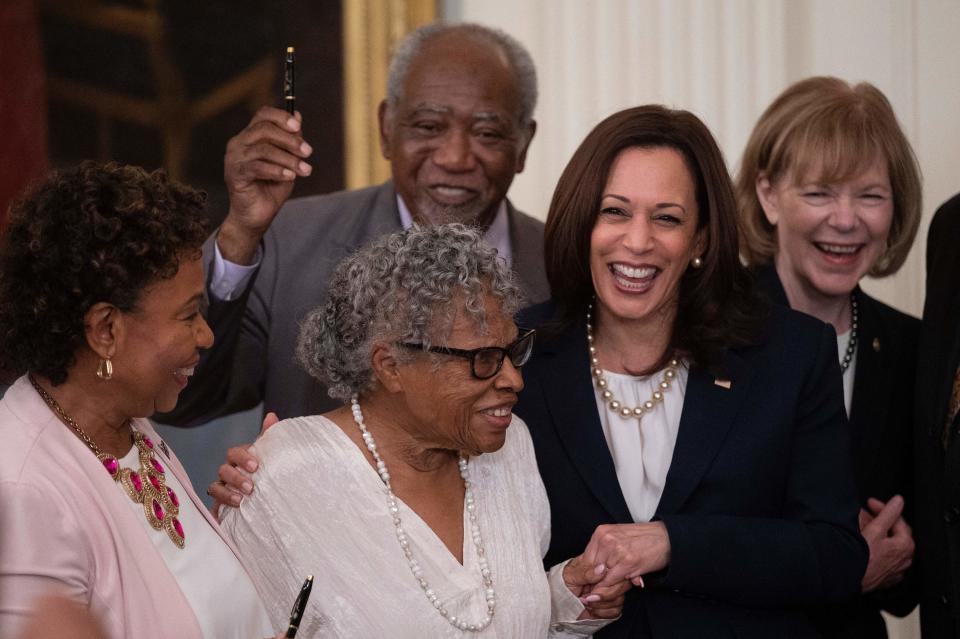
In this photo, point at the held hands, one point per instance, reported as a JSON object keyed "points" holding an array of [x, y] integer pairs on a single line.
{"points": [[617, 556], [230, 489], [600, 602], [890, 540], [259, 168], [626, 552]]}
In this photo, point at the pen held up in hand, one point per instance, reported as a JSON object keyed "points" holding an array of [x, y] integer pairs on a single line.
{"points": [[289, 82]]}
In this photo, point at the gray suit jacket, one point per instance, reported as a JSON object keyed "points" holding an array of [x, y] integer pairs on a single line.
{"points": [[253, 358]]}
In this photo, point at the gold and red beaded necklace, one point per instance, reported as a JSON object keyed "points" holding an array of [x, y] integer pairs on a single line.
{"points": [[146, 486]]}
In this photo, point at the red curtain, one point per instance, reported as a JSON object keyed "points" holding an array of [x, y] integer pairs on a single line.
{"points": [[23, 107], [23, 104]]}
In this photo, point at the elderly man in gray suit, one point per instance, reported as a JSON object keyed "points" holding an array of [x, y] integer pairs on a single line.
{"points": [[455, 127]]}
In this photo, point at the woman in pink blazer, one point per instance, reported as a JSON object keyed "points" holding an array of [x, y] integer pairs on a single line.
{"points": [[101, 288]]}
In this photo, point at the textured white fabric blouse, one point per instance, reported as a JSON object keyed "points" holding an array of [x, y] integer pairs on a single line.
{"points": [[320, 508], [202, 568], [642, 451]]}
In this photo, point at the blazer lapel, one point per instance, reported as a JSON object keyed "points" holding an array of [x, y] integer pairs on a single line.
{"points": [[868, 383], [709, 410], [526, 247], [570, 400]]}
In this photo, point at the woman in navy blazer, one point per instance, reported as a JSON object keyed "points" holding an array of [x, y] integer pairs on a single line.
{"points": [[829, 191], [745, 511]]}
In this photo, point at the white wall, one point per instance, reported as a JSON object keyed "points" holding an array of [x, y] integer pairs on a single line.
{"points": [[725, 61]]}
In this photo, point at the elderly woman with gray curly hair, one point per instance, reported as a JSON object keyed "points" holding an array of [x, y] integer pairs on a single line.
{"points": [[417, 504]]}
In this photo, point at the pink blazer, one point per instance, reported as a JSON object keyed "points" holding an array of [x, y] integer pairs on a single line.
{"points": [[65, 527]]}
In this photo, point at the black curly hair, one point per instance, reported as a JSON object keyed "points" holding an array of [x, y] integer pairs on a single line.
{"points": [[93, 233]]}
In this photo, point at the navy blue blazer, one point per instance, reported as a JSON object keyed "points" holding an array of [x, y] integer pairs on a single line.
{"points": [[760, 501], [881, 426]]}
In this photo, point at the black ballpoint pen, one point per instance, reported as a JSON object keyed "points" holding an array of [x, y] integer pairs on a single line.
{"points": [[289, 87], [298, 607]]}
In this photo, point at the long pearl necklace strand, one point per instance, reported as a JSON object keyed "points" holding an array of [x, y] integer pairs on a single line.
{"points": [[669, 374], [852, 345], [405, 544]]}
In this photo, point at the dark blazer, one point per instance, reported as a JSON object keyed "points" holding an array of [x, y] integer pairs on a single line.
{"points": [[938, 443], [253, 358], [759, 502], [881, 427]]}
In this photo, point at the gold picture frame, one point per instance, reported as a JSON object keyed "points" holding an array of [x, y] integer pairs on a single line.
{"points": [[371, 28]]}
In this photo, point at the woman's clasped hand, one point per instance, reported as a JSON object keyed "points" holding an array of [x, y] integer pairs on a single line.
{"points": [[628, 551]]}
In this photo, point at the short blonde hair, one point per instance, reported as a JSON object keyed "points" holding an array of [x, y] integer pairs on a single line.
{"points": [[824, 122]]}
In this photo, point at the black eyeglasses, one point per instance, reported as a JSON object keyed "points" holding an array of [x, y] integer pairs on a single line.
{"points": [[487, 361]]}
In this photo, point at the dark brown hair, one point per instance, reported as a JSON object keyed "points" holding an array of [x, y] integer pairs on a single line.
{"points": [[717, 307], [824, 123], [94, 233]]}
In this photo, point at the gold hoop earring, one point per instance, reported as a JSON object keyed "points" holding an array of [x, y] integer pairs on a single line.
{"points": [[105, 369], [696, 262]]}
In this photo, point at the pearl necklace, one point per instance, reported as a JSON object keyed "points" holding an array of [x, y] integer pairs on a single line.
{"points": [[669, 374], [405, 544], [146, 486], [852, 345]]}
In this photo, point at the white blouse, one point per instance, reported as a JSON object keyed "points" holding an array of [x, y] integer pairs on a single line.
{"points": [[843, 340], [206, 570], [642, 450], [319, 508]]}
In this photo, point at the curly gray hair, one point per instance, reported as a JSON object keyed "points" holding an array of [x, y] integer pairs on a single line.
{"points": [[519, 58], [400, 288]]}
